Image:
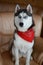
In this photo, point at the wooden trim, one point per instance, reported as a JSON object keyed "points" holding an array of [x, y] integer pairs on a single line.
{"points": [[10, 8], [38, 3], [4, 34], [6, 8]]}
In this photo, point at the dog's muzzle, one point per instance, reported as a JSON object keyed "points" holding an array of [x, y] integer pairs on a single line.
{"points": [[21, 24]]}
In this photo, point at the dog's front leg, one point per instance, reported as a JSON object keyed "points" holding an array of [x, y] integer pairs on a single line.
{"points": [[16, 56], [28, 56]]}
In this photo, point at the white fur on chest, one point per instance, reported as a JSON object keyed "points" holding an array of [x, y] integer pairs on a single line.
{"points": [[22, 44]]}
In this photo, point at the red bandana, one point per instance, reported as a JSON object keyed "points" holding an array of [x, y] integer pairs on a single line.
{"points": [[28, 35]]}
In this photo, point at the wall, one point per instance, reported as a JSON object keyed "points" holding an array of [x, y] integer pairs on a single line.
{"points": [[6, 23], [38, 25]]}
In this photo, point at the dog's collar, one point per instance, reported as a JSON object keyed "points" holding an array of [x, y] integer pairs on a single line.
{"points": [[28, 35]]}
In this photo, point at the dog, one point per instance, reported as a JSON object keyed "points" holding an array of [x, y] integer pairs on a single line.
{"points": [[24, 36]]}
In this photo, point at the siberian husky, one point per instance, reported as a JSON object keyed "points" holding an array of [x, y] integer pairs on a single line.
{"points": [[24, 35]]}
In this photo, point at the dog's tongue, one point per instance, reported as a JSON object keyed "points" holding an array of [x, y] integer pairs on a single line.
{"points": [[28, 35]]}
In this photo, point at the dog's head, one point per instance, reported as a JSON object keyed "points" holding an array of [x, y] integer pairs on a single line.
{"points": [[23, 18]]}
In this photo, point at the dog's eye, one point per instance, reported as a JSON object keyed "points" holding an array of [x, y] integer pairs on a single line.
{"points": [[25, 17], [19, 16]]}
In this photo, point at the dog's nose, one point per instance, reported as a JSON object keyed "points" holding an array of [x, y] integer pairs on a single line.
{"points": [[21, 24]]}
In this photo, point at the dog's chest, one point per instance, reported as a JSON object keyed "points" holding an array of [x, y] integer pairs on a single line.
{"points": [[22, 44]]}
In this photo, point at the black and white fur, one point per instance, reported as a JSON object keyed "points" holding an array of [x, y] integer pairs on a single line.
{"points": [[23, 21]]}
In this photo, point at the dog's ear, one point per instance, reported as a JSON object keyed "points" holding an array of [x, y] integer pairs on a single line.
{"points": [[17, 8], [29, 8]]}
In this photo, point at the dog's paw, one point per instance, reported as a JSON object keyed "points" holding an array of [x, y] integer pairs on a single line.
{"points": [[31, 58], [27, 64], [16, 63]]}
